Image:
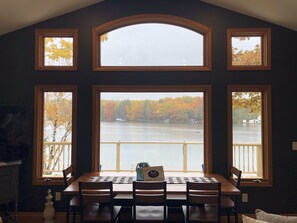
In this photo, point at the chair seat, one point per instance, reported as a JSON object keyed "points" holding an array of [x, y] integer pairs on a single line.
{"points": [[74, 202], [99, 213], [153, 213], [227, 202], [201, 213]]}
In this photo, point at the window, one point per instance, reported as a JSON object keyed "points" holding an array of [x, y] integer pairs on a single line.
{"points": [[56, 49], [55, 124], [152, 42], [249, 49], [250, 133], [157, 124]]}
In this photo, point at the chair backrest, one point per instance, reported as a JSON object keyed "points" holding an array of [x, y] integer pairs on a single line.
{"points": [[235, 176], [149, 193], [68, 175], [204, 195], [96, 193]]}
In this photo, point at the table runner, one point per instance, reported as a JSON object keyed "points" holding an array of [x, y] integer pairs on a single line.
{"points": [[170, 180]]}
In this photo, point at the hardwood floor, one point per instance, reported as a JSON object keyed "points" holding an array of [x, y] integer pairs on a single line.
{"points": [[37, 217]]}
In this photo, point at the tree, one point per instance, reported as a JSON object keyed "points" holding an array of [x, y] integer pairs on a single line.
{"points": [[250, 100], [58, 51], [57, 124], [246, 57], [246, 105]]}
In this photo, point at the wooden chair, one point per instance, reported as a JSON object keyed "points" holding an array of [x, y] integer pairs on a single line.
{"points": [[73, 204], [149, 201], [97, 202], [203, 202], [229, 203]]}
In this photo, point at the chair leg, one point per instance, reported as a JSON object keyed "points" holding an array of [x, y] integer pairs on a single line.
{"points": [[67, 216], [236, 216], [228, 216], [74, 215]]}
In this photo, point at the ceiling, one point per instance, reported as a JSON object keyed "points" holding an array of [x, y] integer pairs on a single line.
{"points": [[16, 14]]}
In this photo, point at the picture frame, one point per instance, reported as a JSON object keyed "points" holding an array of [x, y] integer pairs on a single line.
{"points": [[153, 173]]}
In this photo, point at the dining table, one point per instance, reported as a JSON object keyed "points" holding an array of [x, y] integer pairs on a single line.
{"points": [[177, 188]]}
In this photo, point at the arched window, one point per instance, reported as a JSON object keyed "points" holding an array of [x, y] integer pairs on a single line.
{"points": [[152, 42]]}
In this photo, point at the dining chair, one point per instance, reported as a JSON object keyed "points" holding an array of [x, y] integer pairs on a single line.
{"points": [[203, 202], [73, 203], [149, 201], [229, 203], [97, 202]]}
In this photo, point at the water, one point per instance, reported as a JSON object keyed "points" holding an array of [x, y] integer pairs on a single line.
{"points": [[168, 155]]}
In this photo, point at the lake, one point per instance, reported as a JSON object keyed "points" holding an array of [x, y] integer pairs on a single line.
{"points": [[169, 155]]}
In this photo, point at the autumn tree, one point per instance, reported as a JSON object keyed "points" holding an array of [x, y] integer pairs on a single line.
{"points": [[246, 105], [180, 109], [242, 57], [57, 124], [58, 51]]}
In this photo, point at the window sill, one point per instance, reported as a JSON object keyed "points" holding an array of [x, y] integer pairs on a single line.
{"points": [[48, 181], [255, 183]]}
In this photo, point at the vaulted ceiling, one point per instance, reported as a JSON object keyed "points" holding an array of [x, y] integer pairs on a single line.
{"points": [[16, 14]]}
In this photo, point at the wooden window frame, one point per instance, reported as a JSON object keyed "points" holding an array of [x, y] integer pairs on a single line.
{"points": [[40, 34], [38, 132], [152, 18], [267, 179], [264, 33], [97, 89]]}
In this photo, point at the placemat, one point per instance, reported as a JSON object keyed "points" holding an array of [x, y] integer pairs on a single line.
{"points": [[170, 180]]}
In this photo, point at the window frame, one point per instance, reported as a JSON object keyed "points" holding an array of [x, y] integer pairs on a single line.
{"points": [[38, 132], [40, 34], [267, 179], [97, 89], [152, 18], [264, 33]]}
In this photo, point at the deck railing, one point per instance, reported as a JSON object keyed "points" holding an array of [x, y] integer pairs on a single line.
{"points": [[248, 158], [57, 156]]}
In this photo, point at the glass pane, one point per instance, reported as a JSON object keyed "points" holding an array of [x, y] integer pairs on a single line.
{"points": [[58, 51], [247, 133], [57, 132], [246, 51], [163, 129], [152, 44]]}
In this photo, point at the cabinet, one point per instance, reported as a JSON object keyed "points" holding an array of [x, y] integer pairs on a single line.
{"points": [[9, 183]]}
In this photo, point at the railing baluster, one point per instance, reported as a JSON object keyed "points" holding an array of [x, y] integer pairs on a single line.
{"points": [[118, 156], [185, 155]]}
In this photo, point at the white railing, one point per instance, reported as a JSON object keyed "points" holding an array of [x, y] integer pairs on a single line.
{"points": [[57, 156], [183, 146], [248, 158]]}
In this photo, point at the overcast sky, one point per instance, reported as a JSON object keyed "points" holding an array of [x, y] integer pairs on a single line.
{"points": [[144, 96], [152, 44]]}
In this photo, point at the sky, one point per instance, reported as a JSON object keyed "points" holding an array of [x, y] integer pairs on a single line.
{"points": [[152, 44], [144, 96]]}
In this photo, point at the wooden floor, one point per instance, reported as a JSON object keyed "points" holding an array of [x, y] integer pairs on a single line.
{"points": [[37, 217]]}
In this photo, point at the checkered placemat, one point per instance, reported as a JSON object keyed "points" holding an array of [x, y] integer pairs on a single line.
{"points": [[170, 180], [115, 180], [183, 180]]}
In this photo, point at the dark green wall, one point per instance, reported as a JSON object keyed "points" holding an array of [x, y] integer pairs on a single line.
{"points": [[18, 78]]}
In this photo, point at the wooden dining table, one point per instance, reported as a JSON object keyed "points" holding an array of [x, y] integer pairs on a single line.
{"points": [[172, 189]]}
